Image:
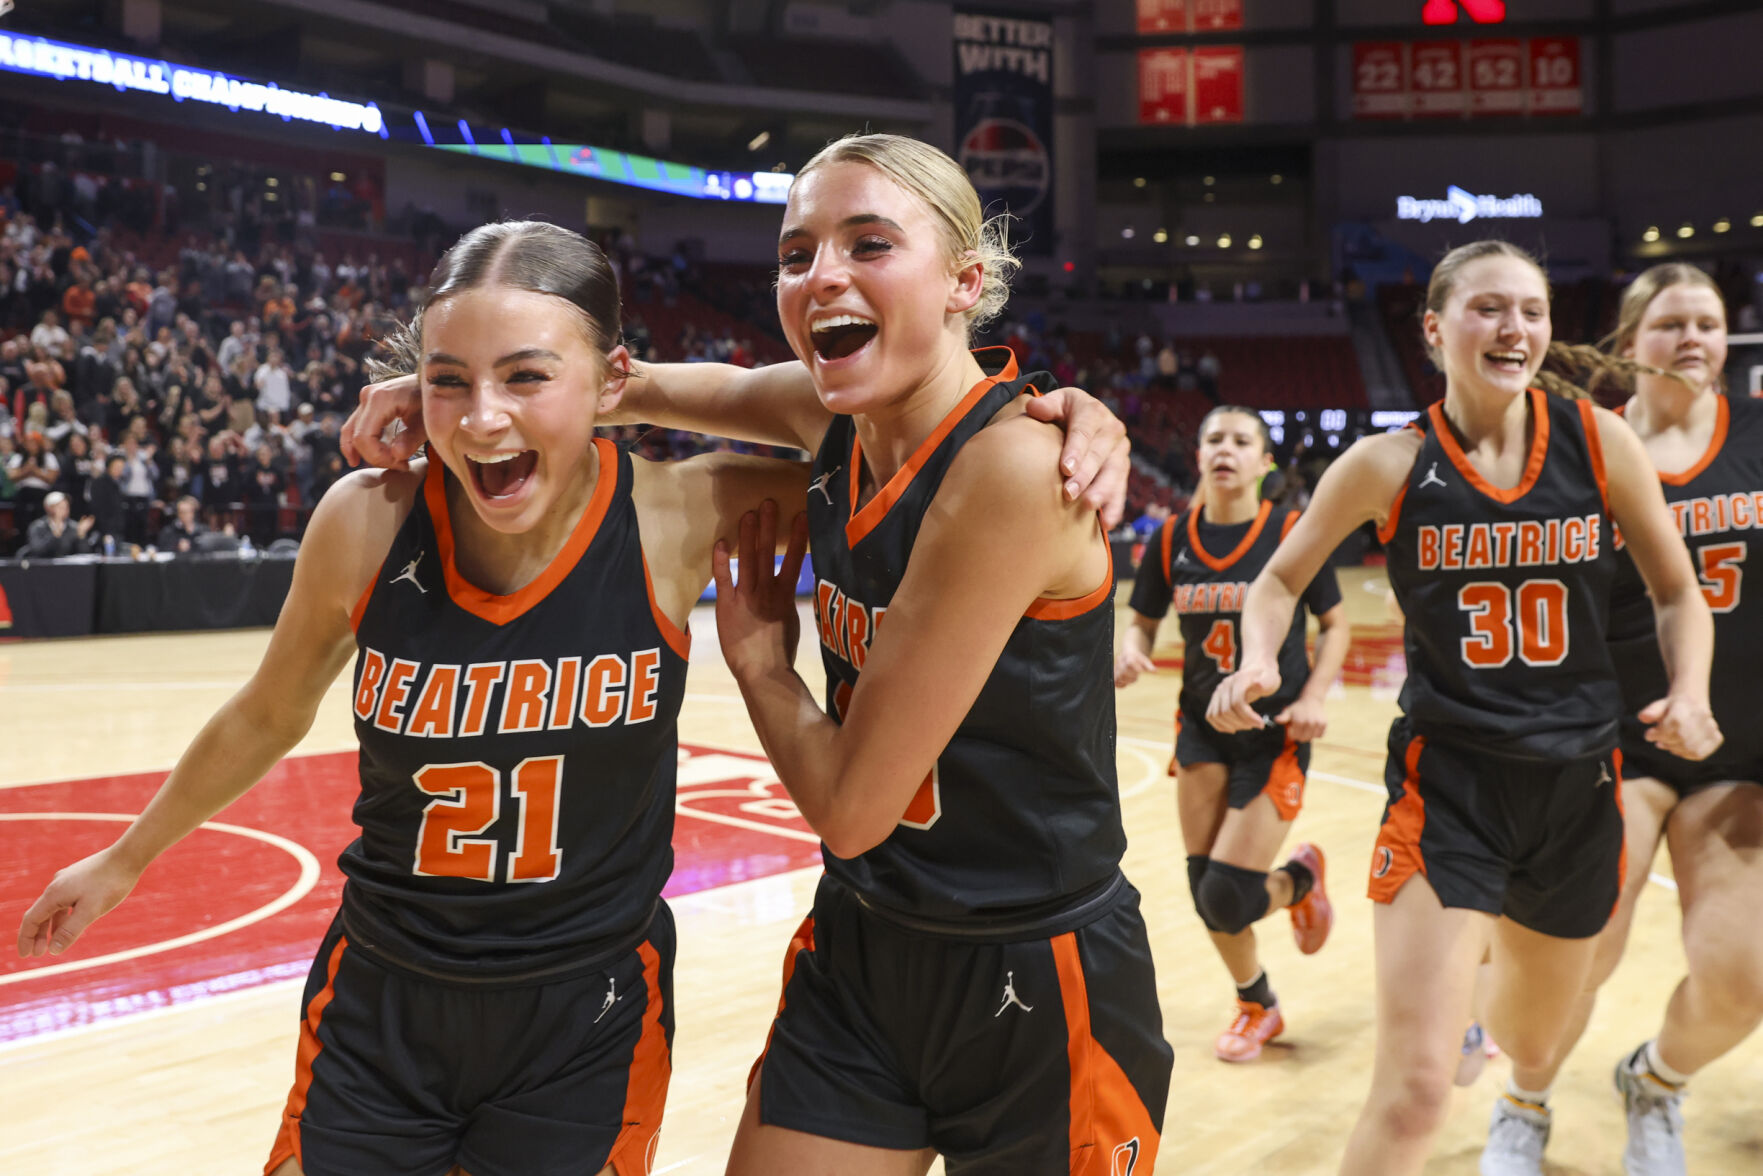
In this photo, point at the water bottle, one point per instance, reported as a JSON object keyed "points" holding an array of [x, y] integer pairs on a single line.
{"points": [[246, 551], [109, 546]]}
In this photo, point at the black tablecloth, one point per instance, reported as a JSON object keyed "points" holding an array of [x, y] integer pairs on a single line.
{"points": [[219, 592], [44, 598]]}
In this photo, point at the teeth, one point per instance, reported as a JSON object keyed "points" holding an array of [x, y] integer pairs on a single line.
{"points": [[841, 320], [1506, 356], [493, 458]]}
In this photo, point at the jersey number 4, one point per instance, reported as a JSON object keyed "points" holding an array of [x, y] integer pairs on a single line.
{"points": [[1221, 646], [468, 799], [1531, 620]]}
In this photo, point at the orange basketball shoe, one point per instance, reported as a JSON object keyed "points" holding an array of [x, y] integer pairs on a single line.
{"points": [[1254, 1027], [1313, 918]]}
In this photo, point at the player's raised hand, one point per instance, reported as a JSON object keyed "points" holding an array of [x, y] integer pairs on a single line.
{"points": [[1096, 458], [1231, 707], [74, 899], [756, 618], [397, 400], [1682, 726]]}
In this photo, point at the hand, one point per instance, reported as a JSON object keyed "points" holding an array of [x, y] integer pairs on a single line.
{"points": [[1304, 720], [1130, 664], [1682, 726], [1097, 456], [85, 525], [1230, 708], [756, 619], [74, 899], [397, 400]]}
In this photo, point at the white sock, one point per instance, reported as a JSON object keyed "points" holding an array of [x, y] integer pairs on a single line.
{"points": [[1651, 1059], [1538, 1098]]}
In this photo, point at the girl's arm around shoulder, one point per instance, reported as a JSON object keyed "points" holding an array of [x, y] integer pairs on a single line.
{"points": [[684, 507], [773, 405]]}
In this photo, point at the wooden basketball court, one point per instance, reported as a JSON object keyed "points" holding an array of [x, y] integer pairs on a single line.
{"points": [[173, 1054]]}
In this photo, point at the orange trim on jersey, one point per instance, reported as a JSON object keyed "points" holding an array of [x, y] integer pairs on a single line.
{"points": [[645, 1092], [360, 609], [1396, 856], [1285, 783], [1285, 528], [500, 610], [1388, 531], [678, 639], [864, 520], [1248, 541], [287, 1139], [801, 941], [1594, 444], [1722, 419], [1077, 606], [1168, 541], [1533, 465], [1107, 1116]]}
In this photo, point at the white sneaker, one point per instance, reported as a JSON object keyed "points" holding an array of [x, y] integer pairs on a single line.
{"points": [[1655, 1120], [1517, 1135]]}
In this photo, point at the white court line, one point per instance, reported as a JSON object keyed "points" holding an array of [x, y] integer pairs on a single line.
{"points": [[56, 1037], [302, 886]]}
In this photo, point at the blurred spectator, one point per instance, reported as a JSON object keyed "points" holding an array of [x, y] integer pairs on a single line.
{"points": [[54, 536], [264, 486], [180, 535], [105, 499], [77, 471], [34, 470]]}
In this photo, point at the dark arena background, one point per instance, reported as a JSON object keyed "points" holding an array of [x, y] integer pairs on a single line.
{"points": [[211, 211]]}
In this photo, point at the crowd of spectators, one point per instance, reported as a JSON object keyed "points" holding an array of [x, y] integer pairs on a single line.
{"points": [[190, 397]]}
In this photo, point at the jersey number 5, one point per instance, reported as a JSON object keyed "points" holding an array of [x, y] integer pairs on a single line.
{"points": [[1221, 646], [468, 800], [1532, 620], [1721, 574]]}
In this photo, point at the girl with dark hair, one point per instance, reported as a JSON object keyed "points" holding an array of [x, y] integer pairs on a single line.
{"points": [[1237, 795], [1504, 824], [1669, 347], [516, 609]]}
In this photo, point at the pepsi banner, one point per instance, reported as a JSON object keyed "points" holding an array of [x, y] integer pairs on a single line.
{"points": [[1004, 119]]}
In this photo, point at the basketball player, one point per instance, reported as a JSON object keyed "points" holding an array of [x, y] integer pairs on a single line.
{"points": [[1504, 823], [495, 992], [1238, 794], [975, 978], [1709, 453]]}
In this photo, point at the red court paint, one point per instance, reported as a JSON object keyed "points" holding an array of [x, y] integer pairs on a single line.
{"points": [[735, 824]]}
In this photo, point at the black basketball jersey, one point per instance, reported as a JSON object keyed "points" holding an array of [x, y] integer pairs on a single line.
{"points": [[1205, 570], [1507, 592], [1018, 824], [517, 752], [1717, 503]]}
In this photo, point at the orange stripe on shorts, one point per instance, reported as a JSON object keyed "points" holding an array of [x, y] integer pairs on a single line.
{"points": [[651, 1067], [1111, 1131], [1396, 857], [287, 1139]]}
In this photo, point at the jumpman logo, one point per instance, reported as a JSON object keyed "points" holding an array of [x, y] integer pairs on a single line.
{"points": [[1603, 774], [1181, 557], [1432, 477], [612, 998], [820, 484], [409, 573], [1010, 997]]}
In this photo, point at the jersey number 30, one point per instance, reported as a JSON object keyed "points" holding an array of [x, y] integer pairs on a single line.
{"points": [[468, 799], [1530, 620]]}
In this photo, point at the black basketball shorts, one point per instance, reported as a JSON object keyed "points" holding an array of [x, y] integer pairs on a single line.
{"points": [[1738, 758], [1257, 761], [1538, 841], [1008, 1058], [399, 1074]]}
